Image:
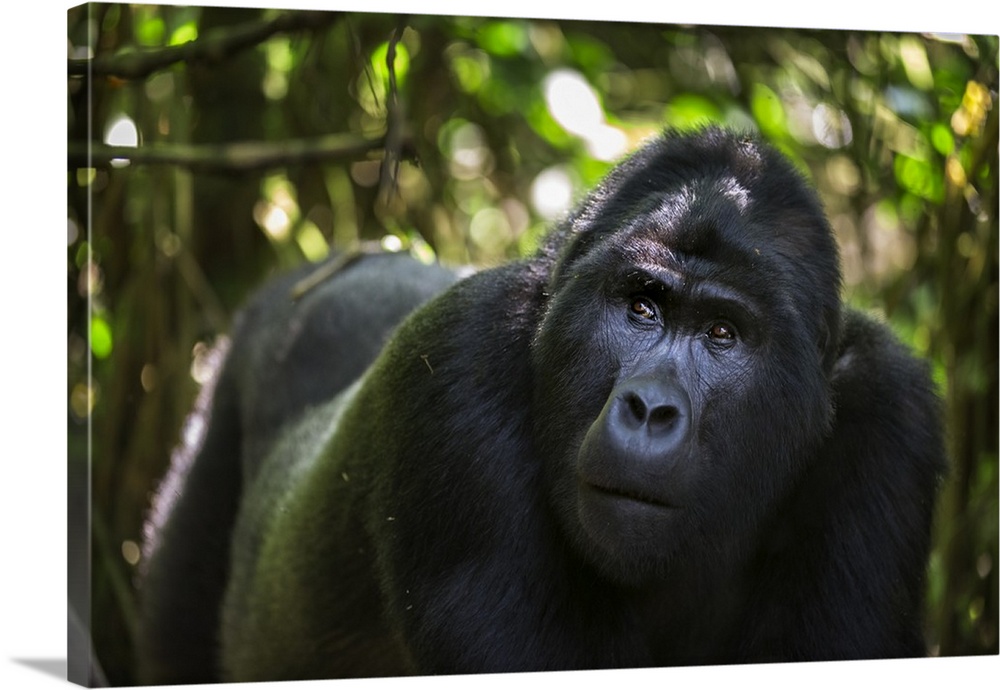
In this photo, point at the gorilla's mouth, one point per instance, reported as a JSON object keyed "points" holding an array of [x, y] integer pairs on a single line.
{"points": [[629, 494]]}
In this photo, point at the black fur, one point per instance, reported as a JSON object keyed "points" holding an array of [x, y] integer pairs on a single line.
{"points": [[660, 440], [287, 355]]}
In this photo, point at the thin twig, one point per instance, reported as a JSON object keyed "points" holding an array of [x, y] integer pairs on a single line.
{"points": [[326, 271], [199, 286], [395, 121], [366, 65]]}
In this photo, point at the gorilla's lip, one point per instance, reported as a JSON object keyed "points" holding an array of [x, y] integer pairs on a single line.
{"points": [[619, 493]]}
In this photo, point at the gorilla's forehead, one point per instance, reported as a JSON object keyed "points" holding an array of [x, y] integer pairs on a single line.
{"points": [[705, 215], [708, 219]]}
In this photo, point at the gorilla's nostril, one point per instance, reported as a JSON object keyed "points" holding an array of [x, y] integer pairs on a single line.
{"points": [[662, 416], [636, 406]]}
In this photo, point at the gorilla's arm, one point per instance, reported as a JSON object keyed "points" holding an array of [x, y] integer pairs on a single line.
{"points": [[838, 576]]}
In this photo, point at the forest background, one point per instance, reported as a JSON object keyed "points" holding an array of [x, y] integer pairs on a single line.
{"points": [[263, 141]]}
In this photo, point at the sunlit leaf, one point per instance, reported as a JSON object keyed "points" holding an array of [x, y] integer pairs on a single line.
{"points": [[280, 59], [185, 33], [101, 341], [955, 172], [542, 122], [471, 70], [280, 56], [150, 31], [942, 139], [969, 117], [689, 110], [919, 177], [311, 242], [914, 57], [401, 63], [504, 38], [85, 176]]}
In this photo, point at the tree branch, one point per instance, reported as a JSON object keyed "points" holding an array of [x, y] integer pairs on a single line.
{"points": [[235, 157], [395, 121], [215, 46]]}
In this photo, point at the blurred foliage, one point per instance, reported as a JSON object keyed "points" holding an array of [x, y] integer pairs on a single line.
{"points": [[468, 135]]}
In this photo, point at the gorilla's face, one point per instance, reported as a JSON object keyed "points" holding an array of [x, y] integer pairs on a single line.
{"points": [[680, 376]]}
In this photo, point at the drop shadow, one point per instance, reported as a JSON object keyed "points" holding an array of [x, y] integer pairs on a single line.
{"points": [[50, 667]]}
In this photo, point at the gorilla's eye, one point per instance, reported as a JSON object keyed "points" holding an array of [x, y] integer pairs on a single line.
{"points": [[643, 308], [722, 332]]}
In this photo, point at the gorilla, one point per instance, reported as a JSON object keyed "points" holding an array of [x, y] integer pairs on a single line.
{"points": [[659, 440]]}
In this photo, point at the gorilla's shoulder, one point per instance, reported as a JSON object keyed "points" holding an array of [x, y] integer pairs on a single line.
{"points": [[870, 351], [494, 311], [880, 385]]}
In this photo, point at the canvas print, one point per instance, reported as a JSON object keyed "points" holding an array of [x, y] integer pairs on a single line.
{"points": [[419, 345]]}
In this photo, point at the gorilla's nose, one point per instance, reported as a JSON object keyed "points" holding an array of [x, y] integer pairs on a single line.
{"points": [[649, 415]]}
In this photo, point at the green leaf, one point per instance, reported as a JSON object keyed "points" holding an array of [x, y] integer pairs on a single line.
{"points": [[768, 111], [185, 33], [503, 38], [688, 110], [401, 63], [919, 177], [101, 341], [150, 31]]}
